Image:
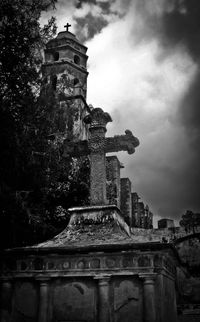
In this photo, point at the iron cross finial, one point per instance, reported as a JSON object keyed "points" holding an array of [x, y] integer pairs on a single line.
{"points": [[67, 26]]}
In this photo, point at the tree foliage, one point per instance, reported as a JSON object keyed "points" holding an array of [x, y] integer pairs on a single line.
{"points": [[36, 184], [190, 220], [22, 40]]}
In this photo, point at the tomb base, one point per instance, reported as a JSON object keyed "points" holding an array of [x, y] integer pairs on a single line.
{"points": [[92, 271], [95, 215]]}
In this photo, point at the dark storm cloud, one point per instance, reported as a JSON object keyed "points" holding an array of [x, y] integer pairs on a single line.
{"points": [[182, 25], [178, 188], [104, 5], [175, 22], [189, 110], [88, 26], [92, 23], [81, 2], [179, 25]]}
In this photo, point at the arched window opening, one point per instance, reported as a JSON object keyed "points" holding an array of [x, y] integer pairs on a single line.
{"points": [[77, 59], [54, 82], [56, 56], [76, 81]]}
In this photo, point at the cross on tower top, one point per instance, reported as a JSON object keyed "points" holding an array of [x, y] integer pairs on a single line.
{"points": [[67, 26]]}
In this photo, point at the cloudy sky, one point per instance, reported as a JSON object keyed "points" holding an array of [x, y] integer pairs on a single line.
{"points": [[144, 60]]}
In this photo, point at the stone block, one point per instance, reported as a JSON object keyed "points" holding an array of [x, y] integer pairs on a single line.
{"points": [[125, 197], [113, 167]]}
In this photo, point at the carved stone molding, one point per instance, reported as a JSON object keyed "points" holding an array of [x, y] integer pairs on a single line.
{"points": [[134, 262]]}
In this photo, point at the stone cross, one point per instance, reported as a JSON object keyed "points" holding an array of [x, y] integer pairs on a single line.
{"points": [[96, 147], [67, 26]]}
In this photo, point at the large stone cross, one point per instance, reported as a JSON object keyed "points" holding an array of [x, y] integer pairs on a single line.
{"points": [[96, 147]]}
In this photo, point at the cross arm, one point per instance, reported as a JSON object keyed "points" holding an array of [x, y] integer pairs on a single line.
{"points": [[127, 142]]}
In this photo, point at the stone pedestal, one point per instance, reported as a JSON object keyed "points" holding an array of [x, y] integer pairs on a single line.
{"points": [[103, 299], [92, 215], [149, 297]]}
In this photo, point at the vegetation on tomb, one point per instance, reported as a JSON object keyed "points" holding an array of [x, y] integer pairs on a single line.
{"points": [[36, 184]]}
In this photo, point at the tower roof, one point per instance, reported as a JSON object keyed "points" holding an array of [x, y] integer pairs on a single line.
{"points": [[63, 38], [67, 35]]}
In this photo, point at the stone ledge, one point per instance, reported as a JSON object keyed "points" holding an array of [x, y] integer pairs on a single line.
{"points": [[126, 245], [60, 62], [139, 262], [94, 207], [93, 215]]}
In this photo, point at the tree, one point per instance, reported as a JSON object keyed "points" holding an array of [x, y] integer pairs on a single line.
{"points": [[190, 221], [20, 57], [34, 180], [22, 40]]}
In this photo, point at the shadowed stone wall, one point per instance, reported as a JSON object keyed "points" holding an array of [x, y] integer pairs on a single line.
{"points": [[125, 197], [113, 180], [74, 300]]}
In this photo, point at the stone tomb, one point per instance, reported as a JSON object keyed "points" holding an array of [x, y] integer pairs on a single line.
{"points": [[93, 270], [112, 282]]}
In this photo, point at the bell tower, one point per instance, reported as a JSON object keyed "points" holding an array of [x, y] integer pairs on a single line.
{"points": [[65, 73]]}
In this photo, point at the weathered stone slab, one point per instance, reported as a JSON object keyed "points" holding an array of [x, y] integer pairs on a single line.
{"points": [[128, 299], [74, 300]]}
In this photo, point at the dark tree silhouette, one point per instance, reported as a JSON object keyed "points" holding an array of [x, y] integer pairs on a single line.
{"points": [[190, 221], [36, 184]]}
